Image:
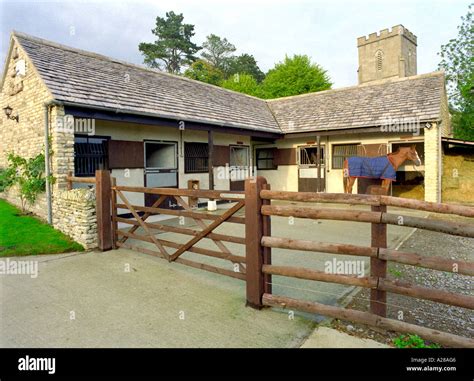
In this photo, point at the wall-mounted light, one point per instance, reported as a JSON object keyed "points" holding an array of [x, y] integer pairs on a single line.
{"points": [[8, 112]]}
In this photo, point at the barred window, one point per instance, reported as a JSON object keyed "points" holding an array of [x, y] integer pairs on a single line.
{"points": [[196, 157], [265, 158], [378, 60], [90, 154], [341, 152], [309, 155]]}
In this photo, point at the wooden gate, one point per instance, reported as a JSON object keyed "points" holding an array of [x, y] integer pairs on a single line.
{"points": [[170, 249]]}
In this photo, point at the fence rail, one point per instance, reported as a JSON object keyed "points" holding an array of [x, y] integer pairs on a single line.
{"points": [[82, 180], [362, 199], [378, 282]]}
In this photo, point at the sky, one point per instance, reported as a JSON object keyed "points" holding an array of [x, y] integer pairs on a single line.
{"points": [[268, 29]]}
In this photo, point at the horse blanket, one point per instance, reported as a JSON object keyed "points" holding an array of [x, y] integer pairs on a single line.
{"points": [[371, 167]]}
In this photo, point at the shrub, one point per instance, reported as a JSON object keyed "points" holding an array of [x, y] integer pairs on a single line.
{"points": [[412, 341], [28, 175]]}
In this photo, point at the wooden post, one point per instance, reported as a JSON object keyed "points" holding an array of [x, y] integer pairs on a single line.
{"points": [[267, 251], [254, 250], [114, 214], [193, 201], [69, 182], [210, 138], [378, 267], [318, 163], [103, 212]]}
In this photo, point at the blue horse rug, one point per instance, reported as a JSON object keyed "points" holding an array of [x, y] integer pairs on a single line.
{"points": [[371, 167]]}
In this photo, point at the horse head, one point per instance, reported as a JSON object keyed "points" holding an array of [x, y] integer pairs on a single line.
{"points": [[412, 155]]}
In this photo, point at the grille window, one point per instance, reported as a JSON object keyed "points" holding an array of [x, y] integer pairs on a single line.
{"points": [[341, 153], [265, 158], [378, 60], [196, 157], [309, 155], [90, 154]]}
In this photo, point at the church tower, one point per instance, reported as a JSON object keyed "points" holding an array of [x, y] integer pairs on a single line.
{"points": [[388, 54]]}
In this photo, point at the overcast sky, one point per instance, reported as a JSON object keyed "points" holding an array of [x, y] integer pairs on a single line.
{"points": [[325, 30]]}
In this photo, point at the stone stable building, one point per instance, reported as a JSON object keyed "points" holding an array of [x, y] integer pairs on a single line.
{"points": [[159, 130]]}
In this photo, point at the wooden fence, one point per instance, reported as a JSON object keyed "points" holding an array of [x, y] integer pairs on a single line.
{"points": [[256, 267], [260, 241]]}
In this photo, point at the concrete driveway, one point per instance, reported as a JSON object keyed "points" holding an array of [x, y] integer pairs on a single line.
{"points": [[123, 298], [89, 300]]}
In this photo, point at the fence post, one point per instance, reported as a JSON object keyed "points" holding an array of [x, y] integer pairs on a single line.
{"points": [[267, 251], [378, 267], [254, 230], [114, 213], [103, 210]]}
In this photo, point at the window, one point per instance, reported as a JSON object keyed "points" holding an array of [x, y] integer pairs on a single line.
{"points": [[196, 157], [239, 156], [341, 152], [378, 60], [420, 149], [309, 155], [90, 153], [265, 158]]}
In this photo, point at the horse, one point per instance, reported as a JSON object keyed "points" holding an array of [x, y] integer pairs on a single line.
{"points": [[393, 161]]}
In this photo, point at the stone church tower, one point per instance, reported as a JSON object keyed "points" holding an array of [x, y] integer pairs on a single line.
{"points": [[388, 54]]}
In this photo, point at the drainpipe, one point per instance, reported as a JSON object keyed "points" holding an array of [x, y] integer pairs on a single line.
{"points": [[439, 196], [46, 161]]}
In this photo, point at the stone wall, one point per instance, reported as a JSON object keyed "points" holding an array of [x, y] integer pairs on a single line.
{"points": [[26, 95], [73, 211], [74, 214]]}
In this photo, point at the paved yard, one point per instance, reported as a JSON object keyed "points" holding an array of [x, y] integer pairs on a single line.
{"points": [[91, 300], [156, 304]]}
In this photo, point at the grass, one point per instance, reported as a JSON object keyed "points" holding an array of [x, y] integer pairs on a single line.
{"points": [[27, 235]]}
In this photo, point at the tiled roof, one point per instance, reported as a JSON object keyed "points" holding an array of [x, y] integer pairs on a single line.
{"points": [[93, 80], [365, 105], [90, 79]]}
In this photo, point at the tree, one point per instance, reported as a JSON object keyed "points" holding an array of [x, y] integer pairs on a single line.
{"points": [[245, 63], [204, 71], [457, 62], [217, 51], [293, 76], [243, 83], [173, 49]]}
